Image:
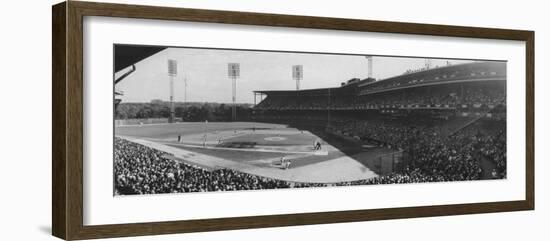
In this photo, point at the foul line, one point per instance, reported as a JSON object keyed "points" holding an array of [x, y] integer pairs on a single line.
{"points": [[317, 153]]}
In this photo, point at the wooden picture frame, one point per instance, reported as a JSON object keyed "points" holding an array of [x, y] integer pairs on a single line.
{"points": [[67, 119]]}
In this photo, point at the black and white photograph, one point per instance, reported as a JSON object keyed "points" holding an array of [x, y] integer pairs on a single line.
{"points": [[190, 119], [250, 120]]}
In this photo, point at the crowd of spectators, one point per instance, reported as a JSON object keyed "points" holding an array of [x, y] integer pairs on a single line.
{"points": [[435, 152], [492, 146]]}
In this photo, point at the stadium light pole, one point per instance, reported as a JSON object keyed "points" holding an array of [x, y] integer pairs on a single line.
{"points": [[297, 74], [369, 73], [172, 73], [234, 73]]}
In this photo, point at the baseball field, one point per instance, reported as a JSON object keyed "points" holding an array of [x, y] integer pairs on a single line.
{"points": [[271, 150]]}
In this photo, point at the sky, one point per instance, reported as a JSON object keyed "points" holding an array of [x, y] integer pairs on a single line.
{"points": [[207, 75]]}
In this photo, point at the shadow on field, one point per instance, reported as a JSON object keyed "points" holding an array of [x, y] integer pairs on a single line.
{"points": [[369, 157]]}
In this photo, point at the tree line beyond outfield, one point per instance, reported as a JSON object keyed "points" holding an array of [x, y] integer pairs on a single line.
{"points": [[190, 111]]}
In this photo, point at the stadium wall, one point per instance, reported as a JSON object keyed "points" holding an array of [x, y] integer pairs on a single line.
{"points": [[127, 122]]}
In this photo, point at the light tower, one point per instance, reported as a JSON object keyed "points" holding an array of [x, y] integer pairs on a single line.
{"points": [[234, 73], [297, 74], [369, 73], [172, 73]]}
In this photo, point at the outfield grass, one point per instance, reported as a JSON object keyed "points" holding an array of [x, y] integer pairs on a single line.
{"points": [[188, 128]]}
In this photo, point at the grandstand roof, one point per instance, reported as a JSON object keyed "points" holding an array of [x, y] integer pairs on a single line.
{"points": [[127, 55], [475, 71], [322, 91], [441, 70]]}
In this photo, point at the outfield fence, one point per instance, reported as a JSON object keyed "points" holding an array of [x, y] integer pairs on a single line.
{"points": [[127, 122]]}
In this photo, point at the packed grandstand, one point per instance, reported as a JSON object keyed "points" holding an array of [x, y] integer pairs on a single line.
{"points": [[450, 121]]}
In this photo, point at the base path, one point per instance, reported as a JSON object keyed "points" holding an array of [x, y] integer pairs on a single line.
{"points": [[340, 169]]}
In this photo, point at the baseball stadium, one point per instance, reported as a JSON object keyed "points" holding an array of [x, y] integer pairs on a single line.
{"points": [[433, 124]]}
